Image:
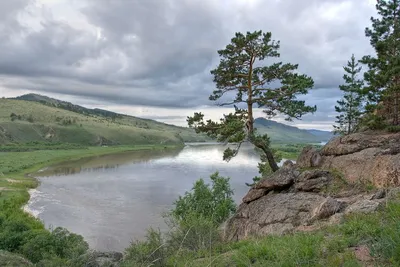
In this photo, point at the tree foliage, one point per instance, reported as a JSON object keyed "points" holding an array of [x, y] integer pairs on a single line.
{"points": [[243, 80], [214, 203], [383, 76], [349, 107]]}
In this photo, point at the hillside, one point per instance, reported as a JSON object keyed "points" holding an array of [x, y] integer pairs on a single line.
{"points": [[34, 117], [26, 121], [282, 133], [67, 105]]}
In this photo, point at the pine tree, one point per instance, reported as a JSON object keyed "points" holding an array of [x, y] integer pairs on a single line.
{"points": [[383, 76], [243, 74], [349, 107]]}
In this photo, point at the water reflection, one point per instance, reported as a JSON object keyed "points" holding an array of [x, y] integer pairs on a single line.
{"points": [[113, 199], [105, 162]]}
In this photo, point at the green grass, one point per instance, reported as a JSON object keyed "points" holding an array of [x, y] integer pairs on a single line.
{"points": [[34, 121], [36, 145], [290, 151], [332, 246]]}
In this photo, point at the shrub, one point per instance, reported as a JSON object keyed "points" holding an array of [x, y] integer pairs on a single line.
{"points": [[193, 234], [194, 225], [151, 252], [214, 203], [30, 118]]}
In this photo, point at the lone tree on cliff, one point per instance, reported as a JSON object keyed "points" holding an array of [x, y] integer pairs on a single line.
{"points": [[383, 76], [349, 107], [274, 88]]}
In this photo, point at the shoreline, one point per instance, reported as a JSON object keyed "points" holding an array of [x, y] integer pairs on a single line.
{"points": [[27, 183], [26, 208]]}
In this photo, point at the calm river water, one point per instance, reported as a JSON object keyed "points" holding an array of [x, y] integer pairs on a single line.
{"points": [[112, 200]]}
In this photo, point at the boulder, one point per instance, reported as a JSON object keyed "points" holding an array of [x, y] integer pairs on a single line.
{"points": [[254, 194], [313, 180], [353, 143], [281, 179], [327, 208], [275, 213], [368, 157], [364, 206], [309, 157]]}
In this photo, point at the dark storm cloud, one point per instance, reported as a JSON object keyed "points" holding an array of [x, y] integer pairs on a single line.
{"points": [[159, 53]]}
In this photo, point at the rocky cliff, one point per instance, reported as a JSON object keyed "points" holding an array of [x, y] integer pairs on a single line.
{"points": [[345, 176]]}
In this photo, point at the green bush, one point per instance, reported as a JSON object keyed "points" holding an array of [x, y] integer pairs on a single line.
{"points": [[194, 225], [214, 203], [151, 252], [193, 234], [58, 243], [23, 234]]}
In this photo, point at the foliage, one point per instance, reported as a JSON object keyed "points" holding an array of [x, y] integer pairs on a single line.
{"points": [[349, 107], [8, 259], [214, 203], [23, 234], [274, 88], [194, 224], [331, 246], [373, 122], [151, 252], [383, 76]]}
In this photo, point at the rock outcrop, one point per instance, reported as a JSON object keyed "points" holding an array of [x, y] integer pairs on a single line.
{"points": [[321, 187], [291, 200], [370, 157]]}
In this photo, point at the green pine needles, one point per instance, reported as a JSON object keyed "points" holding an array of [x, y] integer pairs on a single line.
{"points": [[244, 80], [350, 106], [383, 76]]}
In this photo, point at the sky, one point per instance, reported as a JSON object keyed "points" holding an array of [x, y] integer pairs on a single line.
{"points": [[152, 58]]}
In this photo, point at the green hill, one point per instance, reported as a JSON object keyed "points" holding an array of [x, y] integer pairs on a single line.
{"points": [[45, 119], [34, 117], [282, 133]]}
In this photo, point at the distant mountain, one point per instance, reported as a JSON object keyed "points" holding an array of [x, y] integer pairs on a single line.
{"points": [[327, 135], [282, 133], [35, 117]]}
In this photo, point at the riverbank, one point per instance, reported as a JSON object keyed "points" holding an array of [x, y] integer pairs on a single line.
{"points": [[15, 180], [23, 234]]}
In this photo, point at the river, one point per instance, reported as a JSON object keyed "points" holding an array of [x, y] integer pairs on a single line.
{"points": [[111, 200]]}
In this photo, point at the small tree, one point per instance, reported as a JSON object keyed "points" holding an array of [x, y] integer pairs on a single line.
{"points": [[274, 88], [383, 76], [349, 107]]}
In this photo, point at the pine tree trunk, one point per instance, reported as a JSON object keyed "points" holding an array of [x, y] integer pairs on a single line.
{"points": [[396, 109], [250, 124], [270, 156]]}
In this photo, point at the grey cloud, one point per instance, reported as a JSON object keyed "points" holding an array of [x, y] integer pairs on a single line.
{"points": [[159, 53]]}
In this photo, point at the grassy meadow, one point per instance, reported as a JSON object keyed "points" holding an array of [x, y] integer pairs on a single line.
{"points": [[28, 121]]}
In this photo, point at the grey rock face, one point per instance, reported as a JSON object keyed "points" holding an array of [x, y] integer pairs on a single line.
{"points": [[364, 206]]}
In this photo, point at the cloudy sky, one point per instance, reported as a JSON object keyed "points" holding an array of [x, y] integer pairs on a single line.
{"points": [[152, 58]]}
